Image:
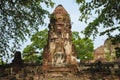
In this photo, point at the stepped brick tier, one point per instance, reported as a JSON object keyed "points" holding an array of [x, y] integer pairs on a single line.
{"points": [[60, 51]]}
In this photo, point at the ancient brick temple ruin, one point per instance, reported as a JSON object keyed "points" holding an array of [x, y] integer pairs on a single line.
{"points": [[59, 51], [59, 58]]}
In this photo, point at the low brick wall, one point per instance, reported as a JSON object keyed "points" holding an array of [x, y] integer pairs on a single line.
{"points": [[90, 71]]}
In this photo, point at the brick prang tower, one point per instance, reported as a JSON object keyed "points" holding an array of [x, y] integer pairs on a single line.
{"points": [[59, 51]]}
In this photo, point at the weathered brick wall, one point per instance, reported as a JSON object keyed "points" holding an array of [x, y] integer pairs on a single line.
{"points": [[93, 71]]}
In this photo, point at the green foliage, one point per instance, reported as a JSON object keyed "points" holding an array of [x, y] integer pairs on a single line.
{"points": [[84, 46], [107, 14], [1, 62], [18, 19], [75, 36], [79, 1], [33, 52]]}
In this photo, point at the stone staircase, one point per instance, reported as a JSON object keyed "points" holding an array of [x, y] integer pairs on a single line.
{"points": [[59, 69], [59, 72]]}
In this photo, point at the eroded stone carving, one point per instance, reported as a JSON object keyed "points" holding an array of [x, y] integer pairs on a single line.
{"points": [[59, 50]]}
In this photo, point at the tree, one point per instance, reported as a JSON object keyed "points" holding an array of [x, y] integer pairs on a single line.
{"points": [[84, 46], [20, 18], [107, 17], [34, 52]]}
